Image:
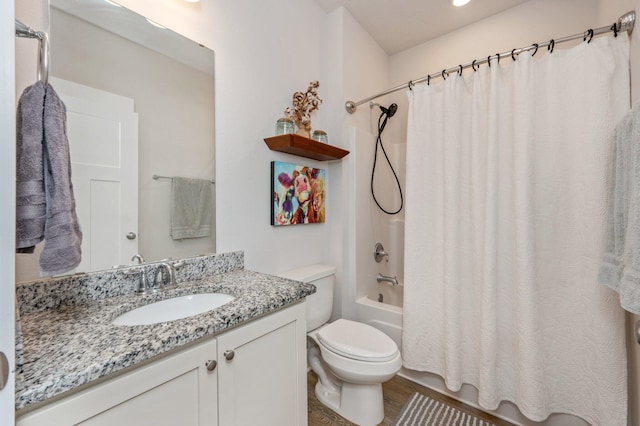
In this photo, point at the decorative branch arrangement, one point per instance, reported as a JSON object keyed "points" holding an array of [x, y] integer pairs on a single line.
{"points": [[303, 105]]}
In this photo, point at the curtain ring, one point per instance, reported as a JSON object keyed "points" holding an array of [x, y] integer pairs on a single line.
{"points": [[460, 70], [498, 56], [411, 85], [552, 45], [473, 65], [512, 55], [535, 51], [614, 28], [489, 61], [428, 79], [588, 33], [443, 77]]}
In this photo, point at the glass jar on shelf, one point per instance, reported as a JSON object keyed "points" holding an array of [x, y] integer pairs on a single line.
{"points": [[320, 136], [285, 126]]}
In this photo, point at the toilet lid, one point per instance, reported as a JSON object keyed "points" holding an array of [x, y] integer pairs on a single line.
{"points": [[356, 340]]}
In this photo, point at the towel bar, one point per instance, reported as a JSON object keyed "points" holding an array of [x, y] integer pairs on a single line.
{"points": [[23, 30], [156, 177]]}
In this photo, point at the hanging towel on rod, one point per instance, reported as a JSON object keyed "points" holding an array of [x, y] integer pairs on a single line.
{"points": [[44, 193], [30, 194], [191, 208], [620, 268], [62, 235]]}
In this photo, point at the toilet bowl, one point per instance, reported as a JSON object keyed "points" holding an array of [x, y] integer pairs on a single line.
{"points": [[351, 359], [357, 352], [352, 368]]}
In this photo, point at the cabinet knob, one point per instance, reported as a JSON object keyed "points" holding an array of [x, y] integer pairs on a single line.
{"points": [[131, 236], [211, 364], [229, 355]]}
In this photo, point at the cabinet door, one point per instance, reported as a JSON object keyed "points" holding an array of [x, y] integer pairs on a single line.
{"points": [[175, 390], [262, 371]]}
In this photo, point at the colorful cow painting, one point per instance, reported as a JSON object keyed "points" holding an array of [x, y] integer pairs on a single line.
{"points": [[298, 194]]}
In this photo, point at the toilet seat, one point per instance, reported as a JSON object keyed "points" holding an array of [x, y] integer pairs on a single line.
{"points": [[358, 341]]}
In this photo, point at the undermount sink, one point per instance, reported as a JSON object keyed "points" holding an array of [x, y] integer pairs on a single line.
{"points": [[173, 309]]}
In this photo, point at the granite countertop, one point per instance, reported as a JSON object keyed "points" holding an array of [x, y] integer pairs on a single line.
{"points": [[69, 346]]}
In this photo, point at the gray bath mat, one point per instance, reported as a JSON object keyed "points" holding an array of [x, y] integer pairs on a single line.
{"points": [[421, 410]]}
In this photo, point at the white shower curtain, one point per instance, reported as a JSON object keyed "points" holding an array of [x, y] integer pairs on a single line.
{"points": [[506, 200]]}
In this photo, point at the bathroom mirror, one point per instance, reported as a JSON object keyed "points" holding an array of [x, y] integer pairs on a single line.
{"points": [[122, 75]]}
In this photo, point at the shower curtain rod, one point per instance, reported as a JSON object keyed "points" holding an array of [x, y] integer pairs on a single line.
{"points": [[25, 31], [624, 23]]}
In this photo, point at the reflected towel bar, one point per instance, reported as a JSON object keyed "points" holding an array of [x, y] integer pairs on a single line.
{"points": [[156, 177]]}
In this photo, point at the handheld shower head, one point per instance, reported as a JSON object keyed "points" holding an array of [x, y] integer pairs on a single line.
{"points": [[391, 111], [385, 115]]}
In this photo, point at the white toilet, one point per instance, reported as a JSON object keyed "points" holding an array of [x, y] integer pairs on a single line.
{"points": [[351, 359]]}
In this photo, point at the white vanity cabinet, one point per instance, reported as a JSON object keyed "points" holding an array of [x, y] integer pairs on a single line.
{"points": [[262, 383], [175, 390], [262, 370]]}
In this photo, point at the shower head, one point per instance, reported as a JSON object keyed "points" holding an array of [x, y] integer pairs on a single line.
{"points": [[391, 111]]}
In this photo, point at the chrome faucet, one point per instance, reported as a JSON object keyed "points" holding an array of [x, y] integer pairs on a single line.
{"points": [[143, 284], [165, 276], [383, 278]]}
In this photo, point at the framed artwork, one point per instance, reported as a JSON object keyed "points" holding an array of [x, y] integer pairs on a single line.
{"points": [[297, 193]]}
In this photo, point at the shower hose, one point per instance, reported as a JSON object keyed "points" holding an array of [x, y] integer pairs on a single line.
{"points": [[382, 122]]}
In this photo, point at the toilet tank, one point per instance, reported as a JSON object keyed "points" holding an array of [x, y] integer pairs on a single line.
{"points": [[319, 304]]}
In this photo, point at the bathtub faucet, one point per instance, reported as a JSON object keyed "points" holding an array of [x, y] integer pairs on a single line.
{"points": [[383, 278]]}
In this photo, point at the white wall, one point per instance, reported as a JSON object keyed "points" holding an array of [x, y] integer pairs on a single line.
{"points": [[264, 51], [364, 70], [371, 224]]}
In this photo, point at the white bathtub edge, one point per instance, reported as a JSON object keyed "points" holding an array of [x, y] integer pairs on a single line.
{"points": [[384, 317], [364, 300]]}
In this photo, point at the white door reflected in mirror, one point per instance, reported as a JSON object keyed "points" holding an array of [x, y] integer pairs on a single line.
{"points": [[103, 141]]}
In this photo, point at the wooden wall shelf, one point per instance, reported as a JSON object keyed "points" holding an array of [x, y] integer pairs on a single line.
{"points": [[305, 147]]}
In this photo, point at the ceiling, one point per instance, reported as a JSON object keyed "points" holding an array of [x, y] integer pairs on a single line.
{"points": [[400, 24]]}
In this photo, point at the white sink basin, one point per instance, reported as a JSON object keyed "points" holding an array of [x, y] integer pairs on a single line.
{"points": [[173, 309]]}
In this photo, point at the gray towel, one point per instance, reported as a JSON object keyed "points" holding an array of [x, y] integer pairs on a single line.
{"points": [[620, 268], [30, 192], [191, 208], [61, 252]]}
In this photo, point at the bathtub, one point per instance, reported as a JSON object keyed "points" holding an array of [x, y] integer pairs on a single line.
{"points": [[388, 319], [383, 316]]}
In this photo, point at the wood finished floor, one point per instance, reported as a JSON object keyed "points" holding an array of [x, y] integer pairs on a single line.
{"points": [[396, 392]]}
